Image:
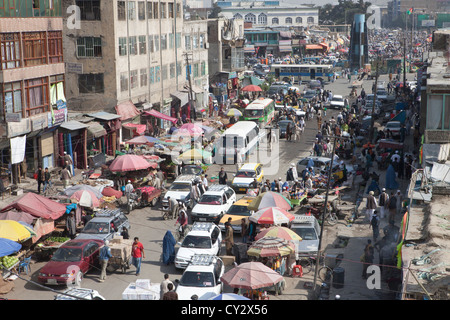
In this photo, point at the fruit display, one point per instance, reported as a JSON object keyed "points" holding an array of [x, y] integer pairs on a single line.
{"points": [[9, 261]]}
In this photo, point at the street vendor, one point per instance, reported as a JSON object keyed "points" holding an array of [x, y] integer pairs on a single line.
{"points": [[309, 184], [128, 189]]}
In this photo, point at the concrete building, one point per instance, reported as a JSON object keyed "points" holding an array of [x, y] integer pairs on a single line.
{"points": [[358, 50], [32, 86], [270, 13]]}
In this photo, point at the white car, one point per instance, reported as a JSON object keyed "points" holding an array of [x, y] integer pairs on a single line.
{"points": [[204, 238], [180, 190], [201, 278], [394, 127], [308, 228], [337, 102], [79, 294], [213, 204]]}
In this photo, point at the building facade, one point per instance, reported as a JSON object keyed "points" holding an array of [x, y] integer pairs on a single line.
{"points": [[32, 85], [358, 50]]}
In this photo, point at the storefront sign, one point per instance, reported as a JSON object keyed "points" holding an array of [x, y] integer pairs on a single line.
{"points": [[59, 116], [60, 104], [74, 67], [428, 23], [39, 122]]}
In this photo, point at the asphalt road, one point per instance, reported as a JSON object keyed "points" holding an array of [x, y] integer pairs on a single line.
{"points": [[148, 225]]}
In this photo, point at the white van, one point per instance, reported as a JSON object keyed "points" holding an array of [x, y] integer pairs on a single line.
{"points": [[242, 137]]}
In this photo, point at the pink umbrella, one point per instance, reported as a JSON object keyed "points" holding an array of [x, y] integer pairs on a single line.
{"points": [[86, 198], [129, 162], [191, 129], [273, 215], [251, 275], [251, 87]]}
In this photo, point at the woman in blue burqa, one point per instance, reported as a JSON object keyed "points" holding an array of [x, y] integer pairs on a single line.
{"points": [[391, 183]]}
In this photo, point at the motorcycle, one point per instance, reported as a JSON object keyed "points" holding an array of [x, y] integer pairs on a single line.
{"points": [[331, 217], [133, 200]]}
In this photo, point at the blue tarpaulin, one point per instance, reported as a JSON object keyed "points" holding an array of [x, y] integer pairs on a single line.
{"points": [[168, 254], [8, 247], [400, 117]]}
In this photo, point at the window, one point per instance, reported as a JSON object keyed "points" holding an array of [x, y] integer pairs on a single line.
{"points": [[178, 10], [438, 112], [171, 40], [250, 17], [275, 21], [34, 48], [144, 77], [163, 10], [56, 89], [298, 20], [202, 41], [151, 45], [157, 74], [149, 10], [10, 56], [203, 67], [262, 19], [195, 41], [121, 12], [152, 75], [55, 50], [122, 46], [163, 42], [12, 101], [89, 9], [172, 70], [178, 40], [142, 45], [310, 20], [133, 79], [89, 47], [155, 10], [170, 10], [156, 43], [195, 70], [90, 83], [123, 81], [141, 10], [36, 93], [288, 20], [132, 45], [164, 72], [237, 16], [131, 10], [179, 66], [187, 42]]}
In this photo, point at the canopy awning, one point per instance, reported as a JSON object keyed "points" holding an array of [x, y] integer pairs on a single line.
{"points": [[285, 34], [182, 96], [160, 115], [102, 115], [249, 49], [73, 125], [313, 47], [139, 128], [95, 130], [285, 48], [127, 110]]}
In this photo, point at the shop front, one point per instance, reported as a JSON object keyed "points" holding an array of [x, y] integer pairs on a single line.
{"points": [[72, 138], [128, 114], [112, 124]]}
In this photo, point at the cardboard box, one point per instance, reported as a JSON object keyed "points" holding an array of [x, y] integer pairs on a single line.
{"points": [[228, 260]]}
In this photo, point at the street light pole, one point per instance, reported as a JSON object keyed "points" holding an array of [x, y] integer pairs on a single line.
{"points": [[372, 118]]}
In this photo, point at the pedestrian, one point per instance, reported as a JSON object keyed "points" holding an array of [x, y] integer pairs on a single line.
{"points": [[125, 235], [173, 206], [71, 225], [399, 202], [129, 189], [375, 224], [47, 179], [383, 201], [40, 179], [371, 205], [171, 294], [103, 256], [367, 257], [252, 231], [238, 160], [229, 242], [164, 285], [205, 182], [244, 231], [68, 162], [65, 177], [392, 207], [223, 176], [137, 254]]}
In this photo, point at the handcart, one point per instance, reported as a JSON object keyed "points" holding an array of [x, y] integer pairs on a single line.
{"points": [[121, 254]]}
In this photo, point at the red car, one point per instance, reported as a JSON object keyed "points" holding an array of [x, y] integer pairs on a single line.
{"points": [[70, 262]]}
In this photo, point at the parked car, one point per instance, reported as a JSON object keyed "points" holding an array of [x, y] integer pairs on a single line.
{"points": [[320, 164], [203, 238], [315, 84], [337, 102], [307, 227], [105, 224], [201, 278], [309, 94], [213, 204], [191, 169], [276, 87], [236, 212], [71, 262], [180, 190], [282, 124], [246, 175], [393, 127]]}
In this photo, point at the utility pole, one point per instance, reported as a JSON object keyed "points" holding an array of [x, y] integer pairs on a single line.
{"points": [[372, 118], [193, 111]]}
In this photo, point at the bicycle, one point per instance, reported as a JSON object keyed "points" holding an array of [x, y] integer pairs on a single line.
{"points": [[309, 263]]}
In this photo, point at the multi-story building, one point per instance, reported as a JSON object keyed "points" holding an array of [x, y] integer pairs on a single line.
{"points": [[32, 85], [358, 51]]}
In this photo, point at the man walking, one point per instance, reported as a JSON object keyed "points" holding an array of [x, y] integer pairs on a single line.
{"points": [[137, 254], [229, 241], [371, 205], [375, 224], [65, 177], [173, 205], [383, 202], [164, 285], [223, 176], [103, 256], [40, 179], [47, 181], [244, 228], [71, 226]]}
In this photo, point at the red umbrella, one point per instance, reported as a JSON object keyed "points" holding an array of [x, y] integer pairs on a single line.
{"points": [[271, 215], [251, 87], [86, 198], [251, 275], [129, 162], [109, 192]]}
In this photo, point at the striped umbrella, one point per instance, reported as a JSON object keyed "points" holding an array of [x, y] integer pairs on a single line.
{"points": [[274, 215], [279, 232], [271, 247], [233, 112], [270, 199], [251, 275]]}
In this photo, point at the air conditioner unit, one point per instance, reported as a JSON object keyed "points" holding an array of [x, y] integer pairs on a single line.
{"points": [[206, 45]]}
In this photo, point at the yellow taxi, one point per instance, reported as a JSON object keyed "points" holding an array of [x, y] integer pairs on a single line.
{"points": [[236, 212], [245, 175]]}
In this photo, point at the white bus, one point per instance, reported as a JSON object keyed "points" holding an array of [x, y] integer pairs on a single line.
{"points": [[242, 137], [303, 72]]}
